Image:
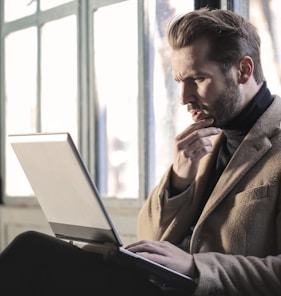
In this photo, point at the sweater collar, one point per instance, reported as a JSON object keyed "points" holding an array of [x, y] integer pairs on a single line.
{"points": [[245, 120]]}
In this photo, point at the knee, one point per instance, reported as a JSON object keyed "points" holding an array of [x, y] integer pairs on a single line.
{"points": [[27, 237], [20, 246], [27, 241]]}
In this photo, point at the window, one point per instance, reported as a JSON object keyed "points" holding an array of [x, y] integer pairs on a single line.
{"points": [[99, 70], [115, 45], [40, 77]]}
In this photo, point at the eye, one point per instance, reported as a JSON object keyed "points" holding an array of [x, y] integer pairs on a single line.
{"points": [[199, 79]]}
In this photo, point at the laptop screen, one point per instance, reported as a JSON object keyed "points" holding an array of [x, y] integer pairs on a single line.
{"points": [[63, 186]]}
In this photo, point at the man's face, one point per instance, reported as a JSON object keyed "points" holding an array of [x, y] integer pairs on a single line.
{"points": [[205, 89]]}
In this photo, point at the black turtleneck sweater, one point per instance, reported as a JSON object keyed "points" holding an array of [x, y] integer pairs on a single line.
{"points": [[237, 129], [234, 133]]}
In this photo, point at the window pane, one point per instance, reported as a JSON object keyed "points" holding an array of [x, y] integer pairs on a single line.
{"points": [[47, 4], [20, 74], [14, 9], [170, 117], [59, 76], [116, 57]]}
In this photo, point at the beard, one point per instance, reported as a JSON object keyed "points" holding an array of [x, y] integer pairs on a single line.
{"points": [[227, 105]]}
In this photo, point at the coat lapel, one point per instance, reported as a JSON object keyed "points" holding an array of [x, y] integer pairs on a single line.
{"points": [[248, 153], [253, 147]]}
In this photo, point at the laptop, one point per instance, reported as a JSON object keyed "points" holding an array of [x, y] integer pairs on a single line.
{"points": [[73, 206]]}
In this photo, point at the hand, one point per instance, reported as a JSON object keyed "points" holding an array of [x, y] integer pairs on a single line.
{"points": [[166, 254], [189, 147]]}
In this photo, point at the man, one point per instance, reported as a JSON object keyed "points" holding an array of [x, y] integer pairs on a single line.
{"points": [[215, 215], [221, 198]]}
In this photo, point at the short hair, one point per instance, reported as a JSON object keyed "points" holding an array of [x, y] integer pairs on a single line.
{"points": [[231, 36]]}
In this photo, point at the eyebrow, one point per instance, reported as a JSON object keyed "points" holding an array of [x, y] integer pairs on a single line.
{"points": [[192, 76]]}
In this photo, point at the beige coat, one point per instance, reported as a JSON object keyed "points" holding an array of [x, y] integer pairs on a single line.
{"points": [[237, 240]]}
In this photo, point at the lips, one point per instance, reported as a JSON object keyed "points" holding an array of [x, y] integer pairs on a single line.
{"points": [[197, 112]]}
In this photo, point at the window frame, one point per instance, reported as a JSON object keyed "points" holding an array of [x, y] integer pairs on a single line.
{"points": [[87, 105], [93, 106], [36, 20]]}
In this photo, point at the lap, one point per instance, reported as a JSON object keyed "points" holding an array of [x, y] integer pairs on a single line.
{"points": [[40, 264]]}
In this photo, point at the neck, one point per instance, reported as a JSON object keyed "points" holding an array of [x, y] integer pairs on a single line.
{"points": [[251, 89], [252, 111]]}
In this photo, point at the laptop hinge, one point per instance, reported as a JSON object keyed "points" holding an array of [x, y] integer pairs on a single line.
{"points": [[100, 248]]}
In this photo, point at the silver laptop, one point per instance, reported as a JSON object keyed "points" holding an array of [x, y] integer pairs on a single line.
{"points": [[72, 204]]}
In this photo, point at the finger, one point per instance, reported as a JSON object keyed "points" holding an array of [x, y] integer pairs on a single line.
{"points": [[194, 134], [156, 247], [146, 246], [198, 153], [197, 140], [195, 126], [161, 252], [137, 244], [190, 147]]}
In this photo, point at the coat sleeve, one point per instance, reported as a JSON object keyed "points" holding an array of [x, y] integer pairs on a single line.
{"points": [[229, 274], [221, 274], [163, 217]]}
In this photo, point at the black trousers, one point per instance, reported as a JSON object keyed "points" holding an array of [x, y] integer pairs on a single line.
{"points": [[42, 265]]}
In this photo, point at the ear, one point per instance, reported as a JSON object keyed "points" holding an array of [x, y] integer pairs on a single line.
{"points": [[245, 70]]}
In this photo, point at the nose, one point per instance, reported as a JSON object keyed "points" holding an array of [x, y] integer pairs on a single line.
{"points": [[187, 92]]}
